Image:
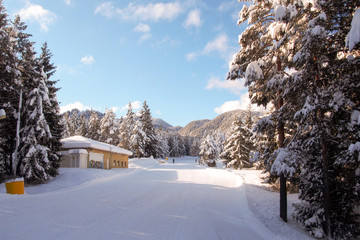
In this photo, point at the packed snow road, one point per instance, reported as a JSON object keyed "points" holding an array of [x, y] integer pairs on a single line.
{"points": [[147, 201]]}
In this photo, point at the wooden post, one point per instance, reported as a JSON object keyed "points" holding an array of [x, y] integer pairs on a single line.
{"points": [[281, 137]]}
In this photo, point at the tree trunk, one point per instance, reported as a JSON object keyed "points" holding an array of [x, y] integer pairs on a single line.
{"points": [[325, 162], [326, 179]]}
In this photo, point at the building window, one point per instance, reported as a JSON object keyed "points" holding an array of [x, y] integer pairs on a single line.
{"points": [[122, 164], [118, 164]]}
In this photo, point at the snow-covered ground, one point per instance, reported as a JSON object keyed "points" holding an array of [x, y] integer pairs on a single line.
{"points": [[147, 201]]}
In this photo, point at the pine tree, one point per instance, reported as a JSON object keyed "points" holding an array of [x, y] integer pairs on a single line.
{"points": [[109, 128], [195, 147], [151, 145], [265, 145], [34, 163], [74, 121], [10, 85], [314, 102], [126, 128], [94, 127], [238, 146], [163, 147], [326, 113], [30, 97], [208, 151], [52, 110], [65, 122], [83, 126], [138, 140]]}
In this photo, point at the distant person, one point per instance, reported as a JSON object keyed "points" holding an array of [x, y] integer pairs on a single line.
{"points": [[195, 160], [173, 160]]}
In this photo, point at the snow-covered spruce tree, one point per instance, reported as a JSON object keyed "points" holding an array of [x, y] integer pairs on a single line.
{"points": [[163, 147], [9, 86], [151, 144], [74, 121], [264, 61], [138, 140], [175, 146], [33, 158], [326, 119], [83, 126], [93, 127], [109, 129], [265, 146], [220, 140], [52, 110], [195, 147], [238, 146], [209, 151], [126, 128], [317, 98], [65, 120]]}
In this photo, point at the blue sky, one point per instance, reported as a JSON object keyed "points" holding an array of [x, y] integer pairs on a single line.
{"points": [[173, 54]]}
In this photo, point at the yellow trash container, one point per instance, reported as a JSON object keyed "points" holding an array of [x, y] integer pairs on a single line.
{"points": [[15, 186]]}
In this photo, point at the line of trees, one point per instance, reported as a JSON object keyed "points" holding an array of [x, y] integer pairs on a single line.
{"points": [[28, 96], [134, 132], [303, 57]]}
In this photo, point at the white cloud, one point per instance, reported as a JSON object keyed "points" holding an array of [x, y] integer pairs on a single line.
{"points": [[114, 109], [191, 56], [87, 60], [193, 19], [141, 27], [219, 44], [145, 29], [144, 37], [228, 106], [77, 105], [134, 105], [242, 104], [228, 5], [34, 12], [106, 9], [234, 86], [166, 41], [151, 11], [68, 2]]}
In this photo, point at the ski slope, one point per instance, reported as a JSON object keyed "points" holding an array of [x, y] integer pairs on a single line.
{"points": [[146, 201]]}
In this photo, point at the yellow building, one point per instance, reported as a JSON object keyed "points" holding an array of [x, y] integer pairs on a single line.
{"points": [[81, 152]]}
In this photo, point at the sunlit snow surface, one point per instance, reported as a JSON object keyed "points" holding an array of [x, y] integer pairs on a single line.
{"points": [[147, 201]]}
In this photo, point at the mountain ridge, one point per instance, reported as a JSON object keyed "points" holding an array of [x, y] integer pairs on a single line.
{"points": [[222, 123]]}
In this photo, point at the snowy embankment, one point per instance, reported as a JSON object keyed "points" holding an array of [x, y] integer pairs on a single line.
{"points": [[146, 201]]}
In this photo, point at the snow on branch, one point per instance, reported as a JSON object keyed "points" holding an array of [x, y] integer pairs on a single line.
{"points": [[353, 36], [284, 162], [254, 70]]}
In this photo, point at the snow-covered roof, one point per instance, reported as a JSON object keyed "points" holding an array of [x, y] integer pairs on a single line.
{"points": [[83, 142]]}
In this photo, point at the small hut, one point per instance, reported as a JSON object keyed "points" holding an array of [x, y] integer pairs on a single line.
{"points": [[82, 152]]}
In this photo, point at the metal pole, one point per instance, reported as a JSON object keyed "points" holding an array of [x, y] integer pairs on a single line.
{"points": [[281, 138], [17, 135]]}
